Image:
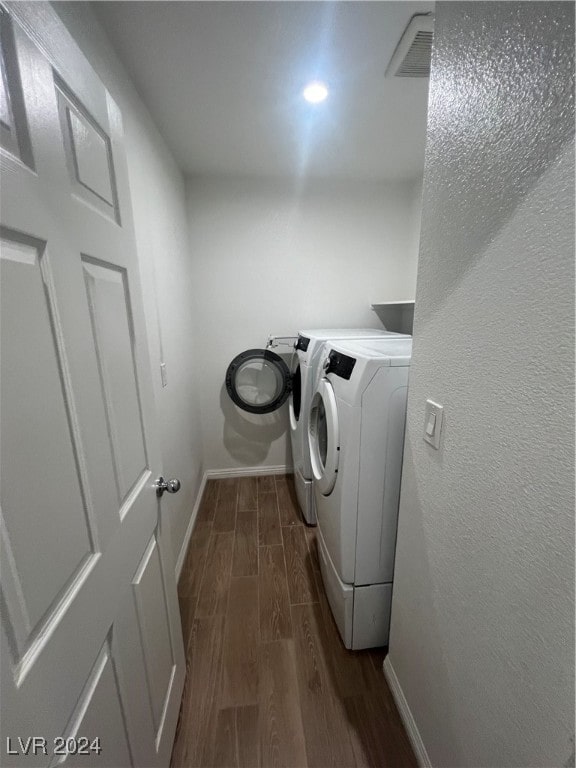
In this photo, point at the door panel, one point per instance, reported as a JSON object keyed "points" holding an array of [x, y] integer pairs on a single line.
{"points": [[91, 640], [99, 710], [107, 293], [151, 610], [13, 125], [52, 491], [88, 153]]}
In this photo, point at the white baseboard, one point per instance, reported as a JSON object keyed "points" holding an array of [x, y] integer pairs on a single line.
{"points": [[190, 528], [215, 474], [406, 715]]}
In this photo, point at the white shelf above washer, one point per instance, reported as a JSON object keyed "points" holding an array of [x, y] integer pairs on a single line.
{"points": [[397, 316]]}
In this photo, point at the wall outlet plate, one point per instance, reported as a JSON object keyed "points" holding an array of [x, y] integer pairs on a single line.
{"points": [[433, 418]]}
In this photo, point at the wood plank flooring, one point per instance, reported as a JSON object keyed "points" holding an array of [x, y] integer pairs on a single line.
{"points": [[269, 683]]}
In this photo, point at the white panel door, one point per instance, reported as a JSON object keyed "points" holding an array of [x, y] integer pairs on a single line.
{"points": [[92, 660]]}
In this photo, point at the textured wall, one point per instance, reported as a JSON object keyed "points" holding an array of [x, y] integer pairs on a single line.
{"points": [[482, 638], [158, 199], [272, 258]]}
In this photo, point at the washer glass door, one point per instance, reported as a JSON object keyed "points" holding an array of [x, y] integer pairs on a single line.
{"points": [[295, 401], [258, 381], [323, 437]]}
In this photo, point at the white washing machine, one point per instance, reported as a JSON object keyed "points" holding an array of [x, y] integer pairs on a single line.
{"points": [[305, 363], [356, 440], [259, 381]]}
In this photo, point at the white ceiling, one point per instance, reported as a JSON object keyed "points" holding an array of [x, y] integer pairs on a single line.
{"points": [[223, 81]]}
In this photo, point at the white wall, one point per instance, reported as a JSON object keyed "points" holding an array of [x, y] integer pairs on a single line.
{"points": [[415, 221], [160, 219], [482, 638], [273, 258]]}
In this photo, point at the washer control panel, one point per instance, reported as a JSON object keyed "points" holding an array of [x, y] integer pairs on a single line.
{"points": [[340, 364], [302, 343]]}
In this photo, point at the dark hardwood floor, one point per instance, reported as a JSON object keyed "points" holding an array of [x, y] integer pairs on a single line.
{"points": [[269, 682]]}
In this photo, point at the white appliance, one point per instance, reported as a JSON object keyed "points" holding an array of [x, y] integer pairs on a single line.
{"points": [[356, 438], [308, 353]]}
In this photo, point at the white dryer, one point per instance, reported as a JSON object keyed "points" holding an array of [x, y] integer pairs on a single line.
{"points": [[305, 364], [356, 439]]}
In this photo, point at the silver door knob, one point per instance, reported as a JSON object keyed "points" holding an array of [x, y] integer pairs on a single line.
{"points": [[172, 486]]}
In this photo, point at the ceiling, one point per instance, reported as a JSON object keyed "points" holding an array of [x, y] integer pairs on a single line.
{"points": [[223, 81]]}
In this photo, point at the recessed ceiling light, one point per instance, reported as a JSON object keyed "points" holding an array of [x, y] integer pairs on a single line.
{"points": [[315, 92]]}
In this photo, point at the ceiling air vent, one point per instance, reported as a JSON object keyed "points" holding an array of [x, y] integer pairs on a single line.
{"points": [[412, 55]]}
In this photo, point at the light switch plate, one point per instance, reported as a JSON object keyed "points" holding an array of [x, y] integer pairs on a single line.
{"points": [[433, 417]]}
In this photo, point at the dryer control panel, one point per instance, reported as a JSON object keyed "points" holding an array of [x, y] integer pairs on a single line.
{"points": [[340, 364]]}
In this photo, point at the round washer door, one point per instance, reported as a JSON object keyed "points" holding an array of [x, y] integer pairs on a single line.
{"points": [[323, 437], [258, 381], [295, 402]]}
